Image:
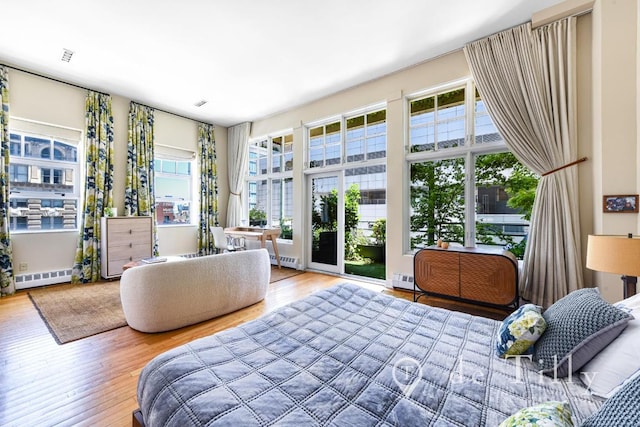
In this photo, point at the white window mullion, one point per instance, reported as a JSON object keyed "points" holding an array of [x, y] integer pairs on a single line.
{"points": [[343, 140], [435, 123], [470, 168], [470, 197], [470, 102]]}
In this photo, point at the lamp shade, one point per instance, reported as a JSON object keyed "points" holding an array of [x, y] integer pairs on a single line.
{"points": [[614, 254]]}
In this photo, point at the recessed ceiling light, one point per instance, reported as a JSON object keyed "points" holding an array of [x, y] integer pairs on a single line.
{"points": [[66, 55], [200, 103]]}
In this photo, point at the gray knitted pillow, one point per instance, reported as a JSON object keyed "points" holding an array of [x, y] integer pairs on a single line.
{"points": [[620, 410], [578, 327]]}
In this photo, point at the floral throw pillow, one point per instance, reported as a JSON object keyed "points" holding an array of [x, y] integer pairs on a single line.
{"points": [[520, 330], [550, 414]]}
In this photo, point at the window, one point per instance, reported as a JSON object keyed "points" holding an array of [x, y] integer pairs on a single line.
{"points": [[43, 177], [362, 159], [269, 188], [325, 145], [465, 187], [365, 138], [173, 187], [282, 154], [438, 121]]}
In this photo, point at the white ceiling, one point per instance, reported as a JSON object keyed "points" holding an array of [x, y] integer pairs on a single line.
{"points": [[247, 58]]}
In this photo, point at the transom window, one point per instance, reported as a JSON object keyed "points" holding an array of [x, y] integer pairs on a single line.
{"points": [[325, 145], [365, 138], [438, 121], [43, 177]]}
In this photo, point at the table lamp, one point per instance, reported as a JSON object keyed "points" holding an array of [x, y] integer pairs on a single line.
{"points": [[616, 254]]}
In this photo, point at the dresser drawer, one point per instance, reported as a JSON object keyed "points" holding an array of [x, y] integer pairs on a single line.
{"points": [[129, 253], [124, 239], [128, 226]]}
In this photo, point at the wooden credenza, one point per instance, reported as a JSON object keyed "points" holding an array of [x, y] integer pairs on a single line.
{"points": [[480, 275], [124, 239]]}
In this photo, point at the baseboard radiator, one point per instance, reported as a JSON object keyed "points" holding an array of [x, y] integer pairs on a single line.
{"points": [[402, 281], [285, 261], [34, 280], [190, 255]]}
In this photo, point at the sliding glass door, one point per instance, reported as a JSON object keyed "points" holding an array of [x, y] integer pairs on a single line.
{"points": [[326, 220]]}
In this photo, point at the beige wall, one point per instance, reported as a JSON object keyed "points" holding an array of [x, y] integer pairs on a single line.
{"points": [[585, 134], [614, 121], [607, 134], [40, 99]]}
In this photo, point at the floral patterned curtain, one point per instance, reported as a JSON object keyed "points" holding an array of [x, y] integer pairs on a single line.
{"points": [[208, 188], [98, 188], [7, 282], [139, 198]]}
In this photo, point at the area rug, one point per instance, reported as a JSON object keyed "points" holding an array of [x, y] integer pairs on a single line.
{"points": [[72, 312]]}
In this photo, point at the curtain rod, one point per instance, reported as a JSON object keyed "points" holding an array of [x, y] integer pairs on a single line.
{"points": [[99, 91], [169, 112], [52, 78]]}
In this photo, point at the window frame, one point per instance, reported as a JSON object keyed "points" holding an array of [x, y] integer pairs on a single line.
{"points": [[468, 151], [56, 135], [342, 120], [347, 168], [255, 175], [190, 158]]}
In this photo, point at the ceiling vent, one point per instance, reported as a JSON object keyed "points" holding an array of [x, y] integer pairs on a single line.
{"points": [[200, 103], [66, 55]]}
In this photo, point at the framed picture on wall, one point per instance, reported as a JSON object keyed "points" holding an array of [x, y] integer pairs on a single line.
{"points": [[620, 204]]}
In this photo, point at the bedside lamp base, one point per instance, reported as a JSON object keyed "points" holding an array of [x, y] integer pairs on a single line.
{"points": [[629, 283]]}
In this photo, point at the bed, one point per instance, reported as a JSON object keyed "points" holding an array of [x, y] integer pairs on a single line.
{"points": [[349, 356]]}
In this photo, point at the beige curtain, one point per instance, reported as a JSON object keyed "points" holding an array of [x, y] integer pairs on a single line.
{"points": [[238, 149], [527, 80]]}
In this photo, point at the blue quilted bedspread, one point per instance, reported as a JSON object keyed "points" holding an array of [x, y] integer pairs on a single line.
{"points": [[348, 356]]}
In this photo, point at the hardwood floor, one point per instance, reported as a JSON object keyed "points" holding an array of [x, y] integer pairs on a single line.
{"points": [[92, 382]]}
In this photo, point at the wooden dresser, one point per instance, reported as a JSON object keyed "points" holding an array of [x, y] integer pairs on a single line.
{"points": [[484, 276], [124, 239]]}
